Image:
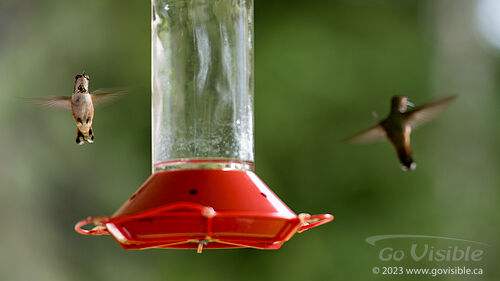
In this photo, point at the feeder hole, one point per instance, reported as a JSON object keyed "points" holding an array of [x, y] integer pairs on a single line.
{"points": [[193, 191]]}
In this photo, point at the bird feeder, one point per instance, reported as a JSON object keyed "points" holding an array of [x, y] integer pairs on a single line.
{"points": [[203, 192]]}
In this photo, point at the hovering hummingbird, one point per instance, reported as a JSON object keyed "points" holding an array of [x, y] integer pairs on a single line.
{"points": [[398, 125], [81, 103]]}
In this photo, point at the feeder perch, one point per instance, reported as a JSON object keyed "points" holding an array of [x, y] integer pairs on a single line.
{"points": [[203, 193]]}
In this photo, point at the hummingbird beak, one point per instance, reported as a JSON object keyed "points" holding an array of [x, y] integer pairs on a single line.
{"points": [[410, 104]]}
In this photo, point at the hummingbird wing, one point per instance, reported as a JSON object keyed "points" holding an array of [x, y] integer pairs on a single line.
{"points": [[426, 113], [59, 102], [102, 96], [374, 133]]}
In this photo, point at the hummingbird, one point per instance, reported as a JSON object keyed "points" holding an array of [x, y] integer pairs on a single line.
{"points": [[398, 125], [81, 103]]}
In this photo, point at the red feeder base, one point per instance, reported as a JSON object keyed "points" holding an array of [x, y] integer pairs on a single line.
{"points": [[196, 209]]}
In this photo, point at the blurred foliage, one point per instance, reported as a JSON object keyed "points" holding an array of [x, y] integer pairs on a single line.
{"points": [[321, 68]]}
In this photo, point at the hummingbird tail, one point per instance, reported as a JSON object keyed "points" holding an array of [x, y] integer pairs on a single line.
{"points": [[81, 138], [406, 160], [408, 166]]}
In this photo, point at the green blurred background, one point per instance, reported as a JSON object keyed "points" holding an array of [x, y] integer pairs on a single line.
{"points": [[321, 68]]}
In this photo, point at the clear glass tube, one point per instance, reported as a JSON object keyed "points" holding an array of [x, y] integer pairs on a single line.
{"points": [[202, 84]]}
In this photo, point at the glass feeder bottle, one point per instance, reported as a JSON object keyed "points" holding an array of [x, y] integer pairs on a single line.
{"points": [[202, 84]]}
